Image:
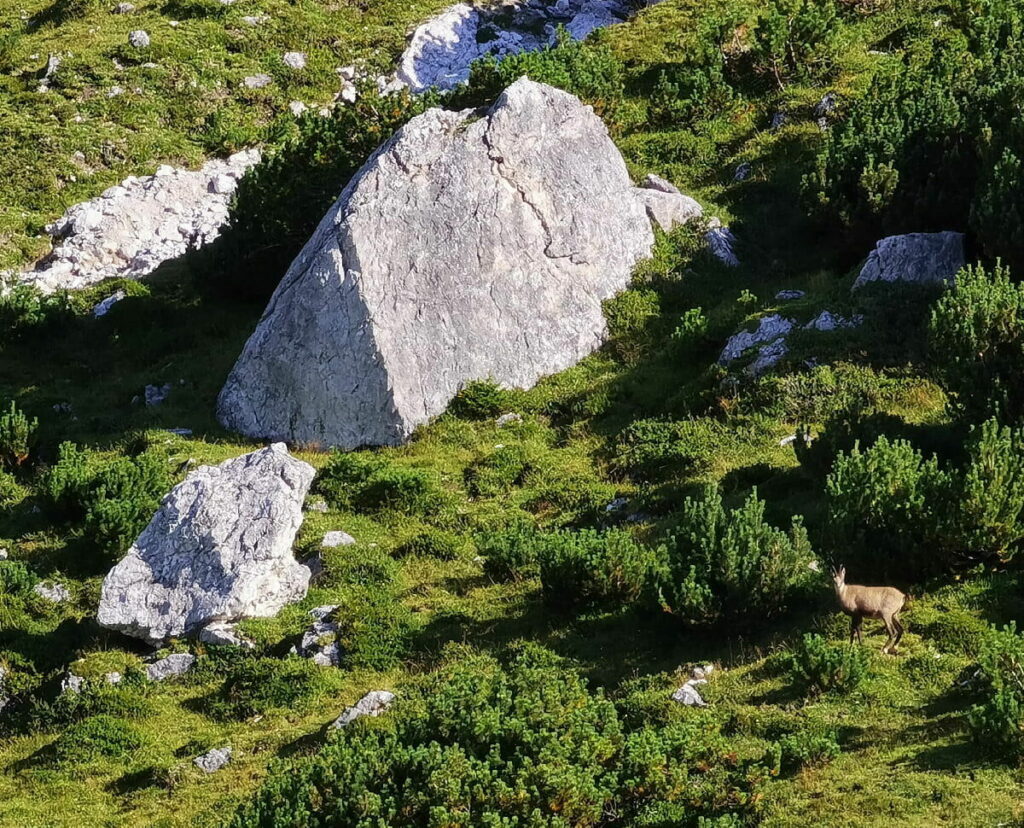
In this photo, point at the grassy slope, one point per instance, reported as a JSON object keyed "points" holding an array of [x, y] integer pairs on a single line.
{"points": [[906, 753]]}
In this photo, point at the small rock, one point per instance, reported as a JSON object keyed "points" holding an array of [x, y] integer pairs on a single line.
{"points": [[689, 695], [827, 105], [181, 432], [372, 704], [508, 419], [322, 612], [337, 538], [172, 665], [115, 91], [315, 565], [124, 8], [223, 184], [779, 120], [213, 760], [318, 506], [54, 593], [72, 684], [922, 258], [222, 634], [348, 94], [255, 20], [155, 395], [722, 242], [297, 108], [4, 698], [346, 72], [103, 308], [788, 441], [787, 295], [617, 504], [4, 554], [656, 182], [294, 60], [742, 172], [257, 81], [139, 39], [113, 677]]}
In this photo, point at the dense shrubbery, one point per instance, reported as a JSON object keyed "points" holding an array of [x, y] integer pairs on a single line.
{"points": [[112, 501], [797, 38], [822, 666], [480, 400], [528, 744], [730, 564], [593, 566], [998, 722], [510, 551], [977, 343], [255, 686], [651, 448], [498, 471], [934, 143], [97, 737], [372, 483], [813, 746], [897, 514]]}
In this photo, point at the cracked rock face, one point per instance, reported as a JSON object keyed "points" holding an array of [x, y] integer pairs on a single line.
{"points": [[137, 225], [442, 49], [372, 704], [921, 258], [218, 549], [467, 247]]}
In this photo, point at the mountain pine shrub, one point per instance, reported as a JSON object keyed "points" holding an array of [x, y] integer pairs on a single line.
{"points": [[822, 666], [729, 564], [998, 722], [98, 737], [587, 565], [122, 499], [480, 400], [797, 38], [525, 743], [977, 341], [65, 485], [257, 685], [17, 436]]}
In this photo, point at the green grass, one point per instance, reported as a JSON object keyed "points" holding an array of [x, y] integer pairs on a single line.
{"points": [[906, 753]]}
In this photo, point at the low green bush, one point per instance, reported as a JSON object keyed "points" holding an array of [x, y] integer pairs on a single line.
{"points": [[630, 316], [258, 685], [730, 565], [480, 400], [976, 336], [371, 483], [998, 722], [65, 485], [809, 746], [797, 38], [510, 551], [374, 627], [123, 498], [433, 543], [584, 566], [499, 471], [525, 743], [98, 737], [821, 666], [16, 578], [17, 436], [649, 449], [129, 699]]}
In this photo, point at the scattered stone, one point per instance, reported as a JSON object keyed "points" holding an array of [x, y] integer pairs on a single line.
{"points": [[828, 321], [337, 538], [348, 94], [156, 394], [4, 554], [297, 108], [767, 357], [257, 81], [112, 677], [742, 172], [769, 329], [667, 209], [52, 592], [346, 72], [180, 432], [508, 419], [787, 441], [722, 242], [124, 8], [215, 759], [316, 566], [52, 65], [139, 39], [825, 108], [319, 642], [779, 120], [173, 665], [103, 308], [115, 91], [921, 258], [617, 504], [255, 20], [72, 683], [223, 635], [218, 549], [656, 182], [223, 184], [294, 60], [372, 704], [322, 368], [318, 506], [789, 295], [689, 695], [137, 225]]}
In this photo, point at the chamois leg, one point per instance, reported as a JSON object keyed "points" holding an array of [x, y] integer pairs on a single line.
{"points": [[855, 623], [899, 630], [891, 629]]}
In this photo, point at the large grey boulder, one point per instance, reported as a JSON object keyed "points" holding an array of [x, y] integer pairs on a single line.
{"points": [[921, 258], [217, 550], [467, 247]]}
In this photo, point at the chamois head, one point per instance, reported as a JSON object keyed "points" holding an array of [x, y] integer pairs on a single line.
{"points": [[839, 577]]}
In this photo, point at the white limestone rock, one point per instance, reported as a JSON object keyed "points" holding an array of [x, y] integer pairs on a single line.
{"points": [[668, 210], [53, 592], [137, 225], [769, 328], [176, 664], [217, 550], [467, 247], [441, 50], [294, 60], [372, 704], [213, 760], [337, 538], [139, 39], [921, 258]]}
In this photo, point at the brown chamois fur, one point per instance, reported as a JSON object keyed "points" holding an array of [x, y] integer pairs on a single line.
{"points": [[860, 602]]}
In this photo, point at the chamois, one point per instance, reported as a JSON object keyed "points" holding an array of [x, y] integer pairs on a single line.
{"points": [[860, 602]]}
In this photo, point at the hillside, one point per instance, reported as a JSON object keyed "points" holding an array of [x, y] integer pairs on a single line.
{"points": [[535, 587]]}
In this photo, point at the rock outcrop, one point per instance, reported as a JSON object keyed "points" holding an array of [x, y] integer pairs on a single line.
{"points": [[921, 258], [442, 49], [217, 550], [137, 225], [372, 704], [467, 247]]}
